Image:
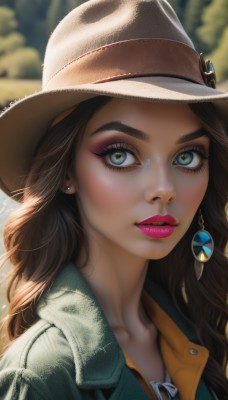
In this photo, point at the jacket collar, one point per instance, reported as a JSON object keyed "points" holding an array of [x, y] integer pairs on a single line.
{"points": [[70, 305]]}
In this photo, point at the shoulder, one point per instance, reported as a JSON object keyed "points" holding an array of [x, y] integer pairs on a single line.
{"points": [[41, 346], [38, 360]]}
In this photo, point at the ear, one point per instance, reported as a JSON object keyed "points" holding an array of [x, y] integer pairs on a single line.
{"points": [[69, 185]]}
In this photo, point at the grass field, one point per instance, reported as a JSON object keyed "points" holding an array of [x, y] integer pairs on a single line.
{"points": [[11, 89]]}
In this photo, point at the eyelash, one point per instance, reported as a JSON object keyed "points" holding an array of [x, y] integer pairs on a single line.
{"points": [[200, 152], [111, 149], [124, 147]]}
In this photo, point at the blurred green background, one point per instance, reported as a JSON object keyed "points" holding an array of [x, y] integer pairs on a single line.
{"points": [[25, 26]]}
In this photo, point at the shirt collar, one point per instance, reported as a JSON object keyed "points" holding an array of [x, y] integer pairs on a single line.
{"points": [[185, 359]]}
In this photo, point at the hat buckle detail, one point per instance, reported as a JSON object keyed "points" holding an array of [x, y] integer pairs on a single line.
{"points": [[208, 71]]}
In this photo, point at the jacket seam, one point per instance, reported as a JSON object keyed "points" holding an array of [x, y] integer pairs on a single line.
{"points": [[21, 376], [24, 354], [78, 345]]}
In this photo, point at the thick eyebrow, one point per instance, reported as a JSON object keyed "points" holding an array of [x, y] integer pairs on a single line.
{"points": [[129, 130], [193, 135], [119, 126]]}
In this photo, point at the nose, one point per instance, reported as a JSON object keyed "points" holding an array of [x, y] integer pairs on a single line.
{"points": [[159, 186]]}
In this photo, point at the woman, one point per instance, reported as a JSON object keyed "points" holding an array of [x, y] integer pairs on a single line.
{"points": [[120, 165]]}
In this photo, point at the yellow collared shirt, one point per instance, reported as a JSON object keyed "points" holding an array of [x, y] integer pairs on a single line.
{"points": [[184, 360]]}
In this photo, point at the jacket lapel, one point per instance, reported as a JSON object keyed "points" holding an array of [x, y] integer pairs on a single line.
{"points": [[70, 306]]}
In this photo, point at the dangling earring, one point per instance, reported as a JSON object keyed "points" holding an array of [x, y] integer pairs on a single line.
{"points": [[202, 247]]}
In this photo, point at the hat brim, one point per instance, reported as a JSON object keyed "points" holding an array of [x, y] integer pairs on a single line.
{"points": [[26, 121]]}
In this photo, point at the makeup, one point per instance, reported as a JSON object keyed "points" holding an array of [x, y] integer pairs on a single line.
{"points": [[158, 226], [122, 181], [191, 159], [116, 155], [111, 143]]}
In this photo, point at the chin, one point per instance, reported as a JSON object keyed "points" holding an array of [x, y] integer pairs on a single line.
{"points": [[157, 252]]}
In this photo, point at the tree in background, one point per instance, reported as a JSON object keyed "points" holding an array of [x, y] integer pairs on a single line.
{"points": [[7, 3], [192, 19], [214, 22], [206, 22], [16, 60], [213, 33], [8, 22], [38, 18], [57, 9], [11, 42], [23, 63], [31, 16], [33, 20], [219, 56]]}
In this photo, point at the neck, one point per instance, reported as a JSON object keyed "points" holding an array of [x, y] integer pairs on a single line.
{"points": [[117, 279]]}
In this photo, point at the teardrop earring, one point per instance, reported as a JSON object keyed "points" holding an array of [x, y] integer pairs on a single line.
{"points": [[202, 247]]}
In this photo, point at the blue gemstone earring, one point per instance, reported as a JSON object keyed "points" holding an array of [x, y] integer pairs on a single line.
{"points": [[202, 247]]}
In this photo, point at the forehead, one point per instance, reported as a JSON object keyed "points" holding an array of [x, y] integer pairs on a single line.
{"points": [[149, 117]]}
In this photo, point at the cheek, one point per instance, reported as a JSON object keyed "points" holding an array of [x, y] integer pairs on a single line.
{"points": [[194, 192], [103, 188]]}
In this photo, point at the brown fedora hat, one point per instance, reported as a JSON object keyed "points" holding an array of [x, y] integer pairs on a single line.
{"points": [[135, 49]]}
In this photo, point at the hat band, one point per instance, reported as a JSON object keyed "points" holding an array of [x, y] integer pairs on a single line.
{"points": [[130, 58]]}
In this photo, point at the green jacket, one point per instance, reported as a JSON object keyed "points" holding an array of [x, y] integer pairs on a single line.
{"points": [[71, 352]]}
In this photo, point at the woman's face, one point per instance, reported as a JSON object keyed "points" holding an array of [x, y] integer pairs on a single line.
{"points": [[140, 174]]}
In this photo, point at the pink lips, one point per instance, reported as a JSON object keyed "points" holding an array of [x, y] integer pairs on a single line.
{"points": [[158, 226]]}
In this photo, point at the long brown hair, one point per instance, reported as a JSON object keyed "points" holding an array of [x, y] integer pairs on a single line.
{"points": [[45, 233], [204, 303]]}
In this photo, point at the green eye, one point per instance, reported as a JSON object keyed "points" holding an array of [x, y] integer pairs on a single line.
{"points": [[185, 158], [188, 159], [118, 157]]}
